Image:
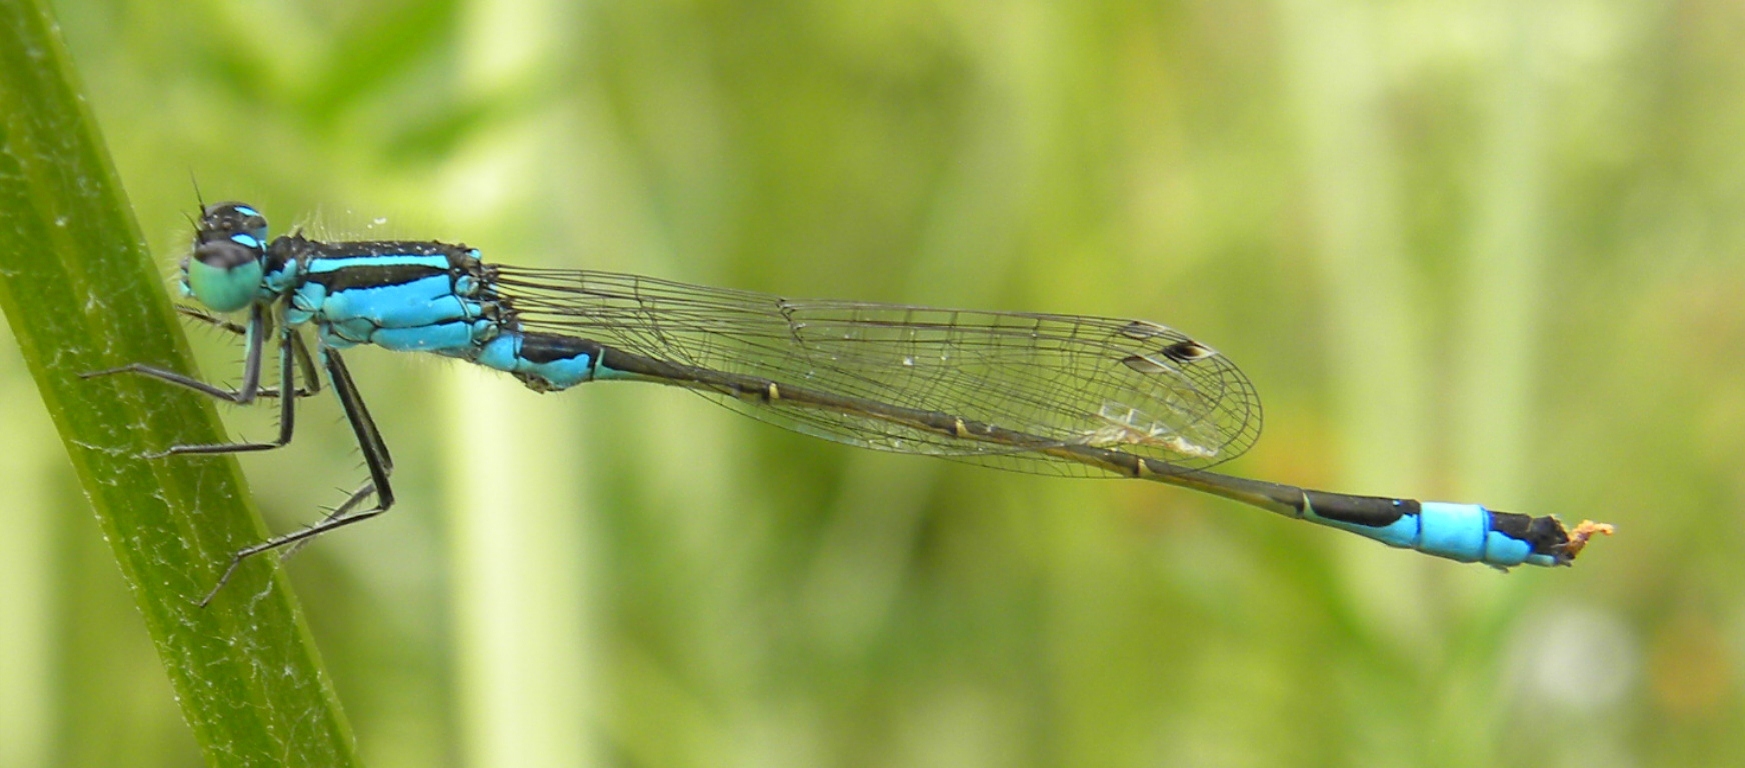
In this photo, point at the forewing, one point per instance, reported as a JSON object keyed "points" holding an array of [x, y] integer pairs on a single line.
{"points": [[1129, 385]]}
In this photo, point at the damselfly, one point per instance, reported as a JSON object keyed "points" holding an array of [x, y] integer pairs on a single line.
{"points": [[1032, 392]]}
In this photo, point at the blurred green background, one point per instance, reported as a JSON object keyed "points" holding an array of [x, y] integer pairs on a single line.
{"points": [[1479, 251]]}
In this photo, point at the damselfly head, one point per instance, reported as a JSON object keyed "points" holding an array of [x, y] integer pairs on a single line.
{"points": [[226, 268], [220, 221]]}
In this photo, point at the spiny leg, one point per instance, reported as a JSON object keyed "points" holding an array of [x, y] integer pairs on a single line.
{"points": [[375, 452], [291, 542], [251, 366], [254, 335], [305, 362], [287, 405], [376, 458], [363, 425]]}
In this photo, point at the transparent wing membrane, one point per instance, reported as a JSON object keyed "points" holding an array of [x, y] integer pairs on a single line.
{"points": [[1134, 386]]}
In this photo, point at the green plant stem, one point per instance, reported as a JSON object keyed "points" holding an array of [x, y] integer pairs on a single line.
{"points": [[81, 294]]}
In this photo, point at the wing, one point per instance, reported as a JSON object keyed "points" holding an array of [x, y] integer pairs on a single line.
{"points": [[1129, 385]]}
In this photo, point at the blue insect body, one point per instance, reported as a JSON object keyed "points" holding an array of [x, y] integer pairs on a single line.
{"points": [[1033, 392]]}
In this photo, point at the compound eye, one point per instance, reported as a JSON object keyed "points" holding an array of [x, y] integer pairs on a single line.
{"points": [[225, 274], [228, 254], [223, 219]]}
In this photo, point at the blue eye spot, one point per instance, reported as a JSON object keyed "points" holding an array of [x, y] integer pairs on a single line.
{"points": [[246, 239], [247, 211]]}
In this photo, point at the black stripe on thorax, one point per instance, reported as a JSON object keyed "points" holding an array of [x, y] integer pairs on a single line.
{"points": [[372, 276], [458, 258]]}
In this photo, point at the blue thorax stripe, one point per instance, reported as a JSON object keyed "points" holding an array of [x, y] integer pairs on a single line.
{"points": [[330, 263]]}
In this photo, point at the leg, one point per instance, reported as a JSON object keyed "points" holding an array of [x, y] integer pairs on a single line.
{"points": [[376, 458], [369, 438], [254, 335], [305, 363], [338, 518], [287, 405], [291, 352]]}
